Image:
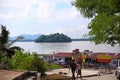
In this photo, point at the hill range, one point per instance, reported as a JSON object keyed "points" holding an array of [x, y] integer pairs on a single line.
{"points": [[29, 37]]}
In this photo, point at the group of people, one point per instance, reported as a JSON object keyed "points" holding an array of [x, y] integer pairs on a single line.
{"points": [[76, 67]]}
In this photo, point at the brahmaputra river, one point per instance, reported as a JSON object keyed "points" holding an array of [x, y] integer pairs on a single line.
{"points": [[49, 48]]}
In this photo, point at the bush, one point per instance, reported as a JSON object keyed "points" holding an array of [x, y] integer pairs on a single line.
{"points": [[24, 61]]}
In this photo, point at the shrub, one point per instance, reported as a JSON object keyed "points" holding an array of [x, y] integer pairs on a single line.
{"points": [[24, 61]]}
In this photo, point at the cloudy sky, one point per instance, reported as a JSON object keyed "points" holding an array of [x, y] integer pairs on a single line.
{"points": [[42, 16]]}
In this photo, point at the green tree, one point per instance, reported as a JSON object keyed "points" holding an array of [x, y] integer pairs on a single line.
{"points": [[105, 24], [5, 45]]}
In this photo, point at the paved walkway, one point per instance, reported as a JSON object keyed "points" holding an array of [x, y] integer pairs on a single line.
{"points": [[66, 72], [102, 77]]}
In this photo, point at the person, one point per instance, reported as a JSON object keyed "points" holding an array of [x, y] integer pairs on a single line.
{"points": [[73, 68], [80, 62], [78, 71]]}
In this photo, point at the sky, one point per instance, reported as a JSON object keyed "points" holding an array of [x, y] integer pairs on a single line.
{"points": [[42, 17]]}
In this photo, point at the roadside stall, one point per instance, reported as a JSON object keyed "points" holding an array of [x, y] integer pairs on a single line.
{"points": [[104, 61]]}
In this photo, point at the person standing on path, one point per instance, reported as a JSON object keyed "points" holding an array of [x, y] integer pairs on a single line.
{"points": [[78, 71], [73, 68]]}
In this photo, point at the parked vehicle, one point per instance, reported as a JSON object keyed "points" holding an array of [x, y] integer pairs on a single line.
{"points": [[118, 70]]}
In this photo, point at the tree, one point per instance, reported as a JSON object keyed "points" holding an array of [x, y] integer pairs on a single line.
{"points": [[5, 45], [105, 24]]}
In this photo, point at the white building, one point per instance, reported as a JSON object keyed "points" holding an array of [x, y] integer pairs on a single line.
{"points": [[47, 57], [62, 57]]}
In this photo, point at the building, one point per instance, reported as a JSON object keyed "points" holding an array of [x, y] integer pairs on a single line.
{"points": [[102, 58], [113, 62], [47, 57], [62, 57], [91, 60]]}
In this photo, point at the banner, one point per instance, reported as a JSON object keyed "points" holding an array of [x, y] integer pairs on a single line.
{"points": [[103, 58]]}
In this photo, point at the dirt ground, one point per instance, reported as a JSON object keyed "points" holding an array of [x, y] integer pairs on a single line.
{"points": [[9, 75]]}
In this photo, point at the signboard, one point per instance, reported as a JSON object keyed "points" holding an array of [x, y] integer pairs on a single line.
{"points": [[103, 58]]}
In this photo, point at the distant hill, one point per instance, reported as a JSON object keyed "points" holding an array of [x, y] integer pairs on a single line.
{"points": [[56, 37], [27, 37]]}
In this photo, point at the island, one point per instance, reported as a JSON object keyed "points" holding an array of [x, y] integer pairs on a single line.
{"points": [[57, 37]]}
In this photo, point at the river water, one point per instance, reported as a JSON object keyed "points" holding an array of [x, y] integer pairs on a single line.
{"points": [[49, 48]]}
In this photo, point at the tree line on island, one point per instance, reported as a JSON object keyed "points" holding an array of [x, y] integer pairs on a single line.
{"points": [[57, 37], [33, 37]]}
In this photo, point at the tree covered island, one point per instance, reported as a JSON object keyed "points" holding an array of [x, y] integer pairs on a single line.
{"points": [[57, 37]]}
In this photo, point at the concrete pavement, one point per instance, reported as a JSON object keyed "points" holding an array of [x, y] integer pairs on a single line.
{"points": [[102, 77], [66, 72]]}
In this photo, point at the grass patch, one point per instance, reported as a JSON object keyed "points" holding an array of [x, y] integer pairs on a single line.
{"points": [[52, 66]]}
